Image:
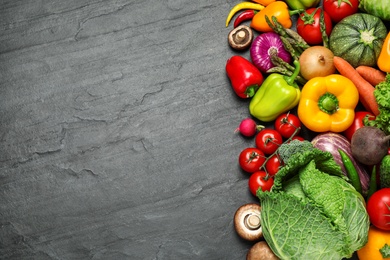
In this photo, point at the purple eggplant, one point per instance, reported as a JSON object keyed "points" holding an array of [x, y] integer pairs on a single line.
{"points": [[332, 142]]}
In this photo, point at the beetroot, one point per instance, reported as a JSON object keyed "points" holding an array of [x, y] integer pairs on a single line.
{"points": [[369, 145]]}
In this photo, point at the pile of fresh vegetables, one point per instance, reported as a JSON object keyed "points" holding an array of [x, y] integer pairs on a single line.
{"points": [[318, 92]]}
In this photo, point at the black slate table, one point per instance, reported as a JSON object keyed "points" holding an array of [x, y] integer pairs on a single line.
{"points": [[117, 131]]}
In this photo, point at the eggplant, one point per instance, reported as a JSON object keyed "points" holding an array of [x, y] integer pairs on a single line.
{"points": [[331, 142]]}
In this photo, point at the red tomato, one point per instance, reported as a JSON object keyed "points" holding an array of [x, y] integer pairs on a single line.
{"points": [[261, 180], [268, 140], [272, 165], [338, 10], [297, 137], [378, 208], [251, 159], [308, 25], [357, 123], [287, 124]]}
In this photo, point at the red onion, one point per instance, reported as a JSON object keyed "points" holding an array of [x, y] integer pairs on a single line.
{"points": [[331, 142], [261, 48]]}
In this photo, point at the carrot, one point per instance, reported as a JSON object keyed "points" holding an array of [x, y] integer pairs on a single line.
{"points": [[365, 89], [371, 74]]}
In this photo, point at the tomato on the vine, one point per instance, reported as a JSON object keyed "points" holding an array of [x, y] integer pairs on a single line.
{"points": [[260, 179], [339, 9], [268, 140], [378, 208], [308, 25], [287, 124], [357, 123], [251, 159], [273, 164]]}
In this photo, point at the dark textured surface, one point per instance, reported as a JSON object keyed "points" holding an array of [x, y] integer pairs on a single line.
{"points": [[117, 131]]}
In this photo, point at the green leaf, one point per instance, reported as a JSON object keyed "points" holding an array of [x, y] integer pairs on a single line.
{"points": [[295, 230], [385, 251]]}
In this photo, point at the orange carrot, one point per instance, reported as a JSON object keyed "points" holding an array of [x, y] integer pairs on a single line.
{"points": [[371, 74], [365, 89]]}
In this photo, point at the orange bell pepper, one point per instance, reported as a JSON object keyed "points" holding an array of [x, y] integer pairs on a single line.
{"points": [[264, 2], [384, 56], [377, 247], [280, 10]]}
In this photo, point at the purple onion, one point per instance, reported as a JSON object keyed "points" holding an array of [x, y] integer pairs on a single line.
{"points": [[331, 142], [261, 49]]}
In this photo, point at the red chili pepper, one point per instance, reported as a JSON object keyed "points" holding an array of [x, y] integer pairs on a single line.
{"points": [[245, 78], [244, 16]]}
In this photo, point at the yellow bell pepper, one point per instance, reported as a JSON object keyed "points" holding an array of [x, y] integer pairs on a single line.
{"points": [[383, 61], [280, 10], [328, 103], [377, 247]]}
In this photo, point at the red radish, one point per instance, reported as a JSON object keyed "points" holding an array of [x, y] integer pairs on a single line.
{"points": [[248, 127]]}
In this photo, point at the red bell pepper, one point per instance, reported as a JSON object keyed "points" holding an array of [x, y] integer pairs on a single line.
{"points": [[245, 78]]}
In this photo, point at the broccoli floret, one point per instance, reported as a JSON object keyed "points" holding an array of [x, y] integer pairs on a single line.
{"points": [[286, 150]]}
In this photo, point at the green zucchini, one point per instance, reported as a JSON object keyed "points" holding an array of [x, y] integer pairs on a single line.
{"points": [[384, 172], [358, 39]]}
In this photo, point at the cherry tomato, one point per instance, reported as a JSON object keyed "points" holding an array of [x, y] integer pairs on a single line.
{"points": [[298, 137], [308, 25], [339, 9], [272, 165], [260, 179], [251, 159], [287, 124], [378, 208], [357, 123], [268, 140]]}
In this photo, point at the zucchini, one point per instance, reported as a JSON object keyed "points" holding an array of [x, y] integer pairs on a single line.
{"points": [[384, 172], [379, 8], [358, 39]]}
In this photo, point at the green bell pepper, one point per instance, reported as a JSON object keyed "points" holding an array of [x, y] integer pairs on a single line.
{"points": [[302, 4], [277, 94]]}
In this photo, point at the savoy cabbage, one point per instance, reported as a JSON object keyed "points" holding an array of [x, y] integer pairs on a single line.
{"points": [[312, 212]]}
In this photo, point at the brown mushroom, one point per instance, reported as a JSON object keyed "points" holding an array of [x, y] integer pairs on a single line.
{"points": [[240, 38], [261, 251], [247, 222]]}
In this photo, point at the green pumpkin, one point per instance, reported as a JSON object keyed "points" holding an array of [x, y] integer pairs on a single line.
{"points": [[358, 39]]}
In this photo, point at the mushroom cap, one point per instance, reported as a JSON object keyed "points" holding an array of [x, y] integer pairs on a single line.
{"points": [[261, 251], [241, 37], [247, 222]]}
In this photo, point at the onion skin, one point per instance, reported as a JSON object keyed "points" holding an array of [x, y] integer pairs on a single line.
{"points": [[260, 50], [331, 142], [316, 61]]}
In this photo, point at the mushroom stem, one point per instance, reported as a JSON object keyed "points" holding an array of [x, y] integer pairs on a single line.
{"points": [[240, 36], [252, 221]]}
